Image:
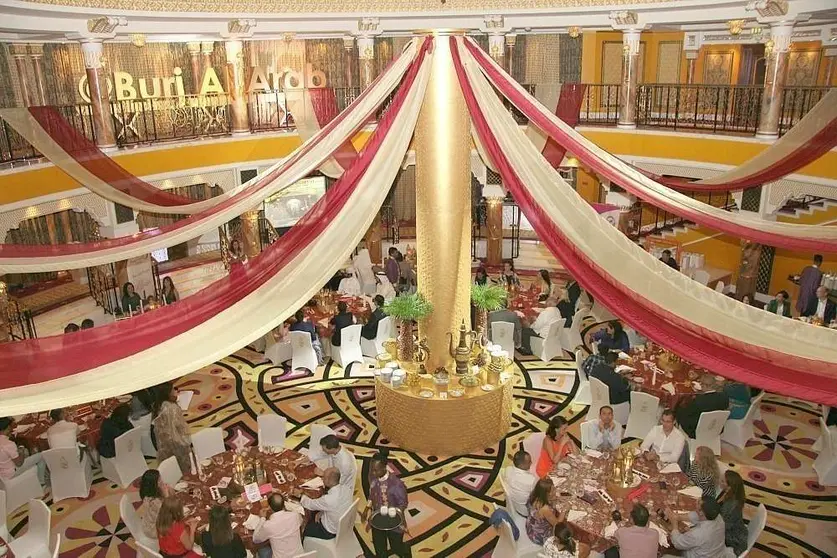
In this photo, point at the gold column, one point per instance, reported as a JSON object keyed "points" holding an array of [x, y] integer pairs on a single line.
{"points": [[97, 83], [443, 205], [774, 80], [197, 69], [19, 55], [4, 314], [630, 66], [366, 59], [206, 52], [373, 240], [236, 87], [511, 40], [349, 51], [37, 53], [250, 233], [494, 224]]}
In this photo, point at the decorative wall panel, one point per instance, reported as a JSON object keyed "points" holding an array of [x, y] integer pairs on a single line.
{"points": [[612, 62], [668, 61], [717, 68], [542, 59], [803, 67], [570, 53]]}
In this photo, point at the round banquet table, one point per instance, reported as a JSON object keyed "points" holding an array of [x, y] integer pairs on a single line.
{"points": [[321, 314], [525, 303], [195, 494], [576, 471], [687, 379], [30, 430]]}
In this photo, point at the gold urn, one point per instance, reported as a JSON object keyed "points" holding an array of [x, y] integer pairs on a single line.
{"points": [[461, 353]]}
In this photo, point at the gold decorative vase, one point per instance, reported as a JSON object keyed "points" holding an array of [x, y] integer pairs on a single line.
{"points": [[461, 353], [406, 341]]}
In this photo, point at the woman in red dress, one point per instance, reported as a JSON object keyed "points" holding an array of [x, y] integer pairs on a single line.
{"points": [[556, 446]]}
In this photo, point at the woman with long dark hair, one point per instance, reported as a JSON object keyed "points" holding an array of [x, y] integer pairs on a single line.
{"points": [[546, 288], [170, 293], [220, 541], [152, 490], [170, 429], [562, 544], [542, 516], [557, 445], [613, 337], [131, 301], [732, 499]]}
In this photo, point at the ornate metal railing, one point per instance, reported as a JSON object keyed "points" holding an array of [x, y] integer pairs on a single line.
{"points": [[600, 104], [170, 118], [796, 102], [101, 281], [724, 108], [648, 219], [20, 322]]}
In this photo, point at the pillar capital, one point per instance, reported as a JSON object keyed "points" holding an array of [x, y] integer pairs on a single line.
{"points": [[207, 47], [691, 54], [239, 29], [194, 47], [366, 47], [369, 27], [781, 33], [630, 40], [18, 50], [348, 42], [496, 45], [768, 10], [92, 51]]}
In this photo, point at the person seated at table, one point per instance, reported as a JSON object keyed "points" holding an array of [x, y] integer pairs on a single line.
{"points": [[71, 328], [607, 436], [545, 287], [301, 323], [152, 490], [117, 424], [220, 541], [706, 538], [540, 327], [704, 471], [280, 528], [745, 299], [562, 544], [542, 516], [340, 458], [613, 337], [237, 255], [506, 315], [87, 323], [557, 445], [637, 540], [669, 261], [370, 328], [688, 414], [481, 276], [665, 442], [739, 399], [821, 307], [330, 506], [175, 534], [62, 433], [142, 402], [344, 318], [169, 427], [732, 500], [780, 305], [131, 301], [170, 293], [617, 386], [12, 460], [520, 481], [509, 276], [595, 359], [386, 489]]}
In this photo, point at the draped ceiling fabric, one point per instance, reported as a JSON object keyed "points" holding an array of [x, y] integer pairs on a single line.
{"points": [[22, 259], [811, 238], [706, 327], [171, 341]]}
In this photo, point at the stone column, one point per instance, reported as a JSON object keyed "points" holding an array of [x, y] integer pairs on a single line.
{"points": [[497, 48], [443, 206], [250, 234], [197, 67], [366, 60], [19, 55], [691, 58], [240, 121], [774, 80], [97, 83], [511, 39], [831, 65], [207, 47], [4, 314], [37, 53], [630, 67], [349, 48], [494, 226]]}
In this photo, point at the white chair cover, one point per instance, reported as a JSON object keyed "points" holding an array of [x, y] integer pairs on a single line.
{"points": [[132, 520], [349, 350], [502, 333], [281, 351], [701, 276], [708, 431], [4, 529], [147, 552], [144, 424], [303, 354], [35, 543], [572, 336], [374, 347], [825, 464], [170, 471], [719, 286], [69, 476], [755, 527], [384, 287], [129, 463], [600, 396], [551, 347], [208, 442], [22, 488], [582, 394], [645, 413], [56, 546], [533, 444], [344, 544], [272, 430], [738, 431]]}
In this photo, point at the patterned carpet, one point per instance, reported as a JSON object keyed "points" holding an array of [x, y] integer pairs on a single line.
{"points": [[450, 498]]}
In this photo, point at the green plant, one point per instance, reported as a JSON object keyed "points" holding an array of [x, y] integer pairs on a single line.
{"points": [[488, 297], [409, 307]]}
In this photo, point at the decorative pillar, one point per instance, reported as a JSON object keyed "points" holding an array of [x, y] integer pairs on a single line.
{"points": [[207, 47], [494, 224], [250, 235], [197, 68], [691, 58], [349, 50], [4, 314], [97, 83], [497, 48], [511, 40], [236, 87], [630, 67], [366, 60], [373, 240], [748, 269], [37, 53], [19, 54], [443, 205], [830, 54], [774, 79]]}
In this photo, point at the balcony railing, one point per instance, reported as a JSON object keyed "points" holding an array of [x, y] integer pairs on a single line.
{"points": [[710, 108]]}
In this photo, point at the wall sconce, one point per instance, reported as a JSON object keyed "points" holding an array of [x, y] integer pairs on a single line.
{"points": [[755, 31], [138, 40], [574, 31], [735, 26]]}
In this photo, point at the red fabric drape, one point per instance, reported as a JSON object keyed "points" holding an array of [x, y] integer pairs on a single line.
{"points": [[324, 101], [767, 369], [51, 358], [568, 110]]}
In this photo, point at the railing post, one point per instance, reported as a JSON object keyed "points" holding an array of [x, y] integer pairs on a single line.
{"points": [[774, 80], [628, 89]]}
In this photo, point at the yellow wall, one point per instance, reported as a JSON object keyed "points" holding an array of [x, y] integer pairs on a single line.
{"points": [[587, 186], [721, 251], [709, 49], [591, 57]]}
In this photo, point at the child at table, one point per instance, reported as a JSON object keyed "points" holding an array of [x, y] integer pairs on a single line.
{"points": [[556, 446]]}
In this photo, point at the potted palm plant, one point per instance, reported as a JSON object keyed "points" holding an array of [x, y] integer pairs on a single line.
{"points": [[406, 310], [486, 298]]}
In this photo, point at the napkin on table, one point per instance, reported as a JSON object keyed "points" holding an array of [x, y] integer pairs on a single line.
{"points": [[290, 505], [669, 387], [575, 515], [184, 398], [691, 491], [624, 368], [671, 468], [610, 530], [593, 453], [316, 482], [323, 322], [22, 428], [663, 535], [252, 522], [623, 355]]}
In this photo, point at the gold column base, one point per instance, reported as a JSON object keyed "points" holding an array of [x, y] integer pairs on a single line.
{"points": [[250, 233]]}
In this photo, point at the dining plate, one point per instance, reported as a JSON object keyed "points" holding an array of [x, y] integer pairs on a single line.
{"points": [[426, 393], [486, 387], [181, 486], [457, 392]]}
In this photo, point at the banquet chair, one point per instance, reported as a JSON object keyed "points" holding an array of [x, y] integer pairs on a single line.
{"points": [[56, 548], [208, 442], [708, 432], [129, 463], [146, 551], [280, 352], [374, 347], [825, 464], [582, 394], [318, 432], [133, 521], [755, 528], [719, 286], [349, 350], [21, 488], [738, 431], [303, 354], [4, 529], [519, 520], [35, 543], [572, 335], [344, 544], [601, 313], [600, 396], [170, 472], [533, 444], [550, 347], [507, 547], [502, 333], [587, 429], [272, 430], [701, 276], [311, 554], [69, 476], [144, 424], [645, 413], [817, 446]]}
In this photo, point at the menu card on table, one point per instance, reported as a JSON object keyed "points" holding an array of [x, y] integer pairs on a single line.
{"points": [[252, 492]]}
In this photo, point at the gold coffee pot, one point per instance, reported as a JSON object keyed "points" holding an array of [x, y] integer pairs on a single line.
{"points": [[462, 353]]}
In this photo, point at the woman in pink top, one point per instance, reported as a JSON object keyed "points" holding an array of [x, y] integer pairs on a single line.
{"points": [[556, 446]]}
